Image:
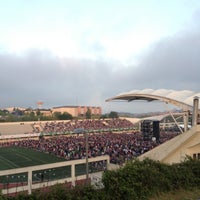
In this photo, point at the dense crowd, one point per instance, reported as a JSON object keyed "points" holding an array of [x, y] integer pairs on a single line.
{"points": [[119, 146], [87, 124]]}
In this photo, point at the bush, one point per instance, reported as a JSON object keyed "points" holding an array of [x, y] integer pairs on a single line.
{"points": [[143, 179], [138, 180]]}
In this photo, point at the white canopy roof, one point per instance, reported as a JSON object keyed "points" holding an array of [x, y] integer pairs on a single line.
{"points": [[183, 99]]}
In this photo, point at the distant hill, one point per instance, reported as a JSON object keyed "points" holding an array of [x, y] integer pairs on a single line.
{"points": [[147, 114]]}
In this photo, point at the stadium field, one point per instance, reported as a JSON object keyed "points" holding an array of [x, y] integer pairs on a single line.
{"points": [[16, 157]]}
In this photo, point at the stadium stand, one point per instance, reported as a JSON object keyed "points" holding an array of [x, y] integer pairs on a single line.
{"points": [[15, 128]]}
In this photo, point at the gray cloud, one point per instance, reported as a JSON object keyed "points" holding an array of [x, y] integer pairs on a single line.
{"points": [[38, 75], [172, 63]]}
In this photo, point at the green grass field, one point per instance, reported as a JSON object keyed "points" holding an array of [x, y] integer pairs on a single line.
{"points": [[16, 157]]}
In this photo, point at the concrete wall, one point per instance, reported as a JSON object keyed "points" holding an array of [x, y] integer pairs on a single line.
{"points": [[16, 128], [30, 186], [13, 128]]}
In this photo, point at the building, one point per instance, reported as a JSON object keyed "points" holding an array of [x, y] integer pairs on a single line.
{"points": [[44, 112], [78, 111]]}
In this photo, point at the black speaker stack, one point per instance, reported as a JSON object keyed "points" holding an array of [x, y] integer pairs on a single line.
{"points": [[150, 130]]}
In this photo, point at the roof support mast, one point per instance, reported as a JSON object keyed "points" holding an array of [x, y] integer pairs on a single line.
{"points": [[185, 120], [195, 111], [174, 118]]}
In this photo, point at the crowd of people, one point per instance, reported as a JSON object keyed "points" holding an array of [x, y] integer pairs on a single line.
{"points": [[87, 124], [121, 147]]}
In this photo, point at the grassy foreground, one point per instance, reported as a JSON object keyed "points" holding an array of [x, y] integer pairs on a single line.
{"points": [[179, 195]]}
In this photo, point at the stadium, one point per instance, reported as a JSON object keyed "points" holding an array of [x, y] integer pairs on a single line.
{"points": [[43, 153]]}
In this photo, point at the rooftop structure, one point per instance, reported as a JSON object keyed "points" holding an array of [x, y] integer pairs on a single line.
{"points": [[182, 99], [185, 99]]}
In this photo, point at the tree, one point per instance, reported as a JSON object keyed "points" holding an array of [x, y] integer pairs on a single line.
{"points": [[62, 116], [32, 115], [113, 114], [38, 113], [88, 114], [66, 116], [104, 116], [56, 115]]}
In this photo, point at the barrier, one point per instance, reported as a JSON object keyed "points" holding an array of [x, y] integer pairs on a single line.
{"points": [[28, 184]]}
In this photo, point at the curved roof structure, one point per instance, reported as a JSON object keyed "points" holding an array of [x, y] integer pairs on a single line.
{"points": [[183, 99]]}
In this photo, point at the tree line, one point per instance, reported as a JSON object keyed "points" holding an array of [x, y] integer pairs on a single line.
{"points": [[37, 115]]}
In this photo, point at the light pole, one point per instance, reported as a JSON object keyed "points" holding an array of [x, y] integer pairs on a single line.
{"points": [[85, 133], [86, 145]]}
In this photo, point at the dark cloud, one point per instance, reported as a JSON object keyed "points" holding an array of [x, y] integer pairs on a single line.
{"points": [[38, 75]]}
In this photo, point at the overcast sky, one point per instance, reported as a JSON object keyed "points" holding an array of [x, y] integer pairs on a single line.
{"points": [[65, 52]]}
